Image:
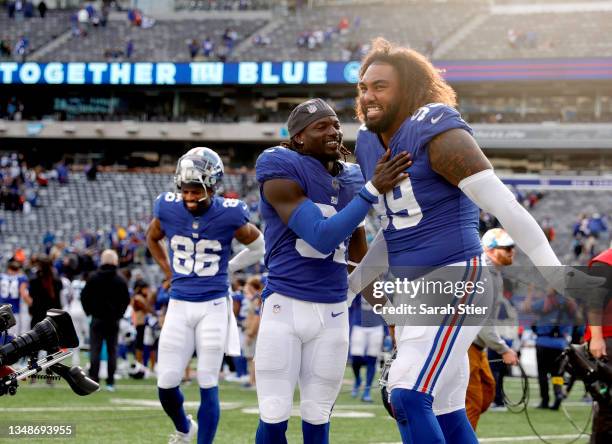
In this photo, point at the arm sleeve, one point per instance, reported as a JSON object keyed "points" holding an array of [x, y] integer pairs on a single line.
{"points": [[249, 256], [492, 340], [490, 194], [323, 234]]}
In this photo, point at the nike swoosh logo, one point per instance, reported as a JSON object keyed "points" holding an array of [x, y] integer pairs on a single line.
{"points": [[335, 315], [217, 303], [435, 120]]}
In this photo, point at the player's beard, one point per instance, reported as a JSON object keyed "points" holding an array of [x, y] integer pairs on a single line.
{"points": [[384, 123]]}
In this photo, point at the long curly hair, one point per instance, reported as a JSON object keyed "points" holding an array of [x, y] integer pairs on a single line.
{"points": [[420, 81]]}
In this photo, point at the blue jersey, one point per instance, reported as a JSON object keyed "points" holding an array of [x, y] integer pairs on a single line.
{"points": [[296, 269], [426, 220], [199, 246], [9, 290]]}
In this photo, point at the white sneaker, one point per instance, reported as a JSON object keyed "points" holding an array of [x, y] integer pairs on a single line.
{"points": [[185, 438]]}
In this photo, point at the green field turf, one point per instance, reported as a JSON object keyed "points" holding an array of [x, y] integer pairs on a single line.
{"points": [[132, 415]]}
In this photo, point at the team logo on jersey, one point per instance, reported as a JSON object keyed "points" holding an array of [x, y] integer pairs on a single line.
{"points": [[276, 308]]}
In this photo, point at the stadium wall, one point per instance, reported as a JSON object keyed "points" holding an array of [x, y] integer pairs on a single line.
{"points": [[490, 136]]}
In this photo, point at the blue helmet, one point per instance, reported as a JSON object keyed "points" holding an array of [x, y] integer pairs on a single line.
{"points": [[199, 165]]}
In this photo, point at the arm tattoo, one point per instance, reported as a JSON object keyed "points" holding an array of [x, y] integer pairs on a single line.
{"points": [[455, 155]]}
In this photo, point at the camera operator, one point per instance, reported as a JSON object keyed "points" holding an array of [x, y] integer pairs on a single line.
{"points": [[599, 337], [105, 297]]}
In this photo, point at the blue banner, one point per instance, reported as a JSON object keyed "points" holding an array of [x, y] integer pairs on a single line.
{"points": [[161, 73], [592, 183], [286, 73]]}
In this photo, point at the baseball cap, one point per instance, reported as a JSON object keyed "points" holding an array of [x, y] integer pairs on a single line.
{"points": [[495, 238]]}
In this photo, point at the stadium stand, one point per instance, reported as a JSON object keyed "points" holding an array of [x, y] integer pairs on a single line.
{"points": [[93, 205], [223, 5], [511, 36], [38, 31], [555, 207], [333, 33], [164, 41]]}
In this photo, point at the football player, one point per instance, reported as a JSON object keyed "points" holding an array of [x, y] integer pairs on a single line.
{"points": [[311, 203], [431, 220], [14, 291], [199, 228]]}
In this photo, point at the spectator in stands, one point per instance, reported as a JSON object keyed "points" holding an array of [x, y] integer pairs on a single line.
{"points": [[91, 172], [597, 225], [48, 241], [512, 38], [75, 31], [42, 9], [105, 297], [548, 229], [105, 11], [5, 48], [83, 20], [229, 37], [62, 172], [91, 11], [129, 49], [28, 10], [21, 48], [10, 9], [193, 47], [343, 26], [581, 233], [260, 40], [208, 47]]}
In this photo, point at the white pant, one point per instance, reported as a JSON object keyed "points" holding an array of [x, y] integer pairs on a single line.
{"points": [[301, 342], [367, 341], [192, 325], [434, 359]]}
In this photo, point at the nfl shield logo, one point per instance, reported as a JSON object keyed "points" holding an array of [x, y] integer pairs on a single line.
{"points": [[334, 200], [195, 225]]}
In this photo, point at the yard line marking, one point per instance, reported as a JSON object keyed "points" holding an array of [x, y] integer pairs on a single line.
{"points": [[335, 413]]}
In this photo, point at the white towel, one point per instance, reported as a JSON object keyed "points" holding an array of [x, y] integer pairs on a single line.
{"points": [[232, 344]]}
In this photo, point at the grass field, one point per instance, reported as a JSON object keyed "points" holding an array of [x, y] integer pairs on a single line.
{"points": [[133, 415]]}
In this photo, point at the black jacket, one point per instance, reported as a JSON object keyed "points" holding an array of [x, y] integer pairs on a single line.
{"points": [[105, 295], [42, 299]]}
